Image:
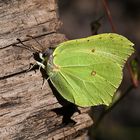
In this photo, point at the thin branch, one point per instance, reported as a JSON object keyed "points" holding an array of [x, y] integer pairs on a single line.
{"points": [[134, 81], [106, 6]]}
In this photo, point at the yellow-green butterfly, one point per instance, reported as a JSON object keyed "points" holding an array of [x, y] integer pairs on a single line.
{"points": [[88, 71]]}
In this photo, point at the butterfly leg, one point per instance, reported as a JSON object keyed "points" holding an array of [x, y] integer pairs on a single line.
{"points": [[43, 83], [31, 66]]}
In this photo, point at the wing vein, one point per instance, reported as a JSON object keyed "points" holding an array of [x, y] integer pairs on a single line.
{"points": [[68, 84], [83, 81], [91, 82]]}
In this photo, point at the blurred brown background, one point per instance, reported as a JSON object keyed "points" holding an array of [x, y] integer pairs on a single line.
{"points": [[123, 123]]}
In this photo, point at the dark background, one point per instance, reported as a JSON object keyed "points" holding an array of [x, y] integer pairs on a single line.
{"points": [[123, 122]]}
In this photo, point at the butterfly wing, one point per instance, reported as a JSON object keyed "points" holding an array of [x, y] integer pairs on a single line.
{"points": [[88, 71]]}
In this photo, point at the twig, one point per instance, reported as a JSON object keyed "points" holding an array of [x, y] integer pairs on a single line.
{"points": [[106, 6], [134, 81]]}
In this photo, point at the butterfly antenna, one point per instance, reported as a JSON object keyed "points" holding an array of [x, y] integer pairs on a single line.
{"points": [[22, 43], [24, 46], [15, 45], [36, 41]]}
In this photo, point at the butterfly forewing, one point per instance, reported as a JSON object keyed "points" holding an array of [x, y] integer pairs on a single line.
{"points": [[90, 69]]}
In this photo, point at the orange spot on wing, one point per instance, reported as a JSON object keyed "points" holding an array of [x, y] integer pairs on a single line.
{"points": [[93, 73], [56, 68], [93, 50]]}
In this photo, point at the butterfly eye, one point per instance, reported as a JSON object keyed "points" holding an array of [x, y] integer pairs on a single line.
{"points": [[45, 54], [48, 52]]}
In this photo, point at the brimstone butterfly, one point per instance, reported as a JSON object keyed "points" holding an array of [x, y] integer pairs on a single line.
{"points": [[88, 71]]}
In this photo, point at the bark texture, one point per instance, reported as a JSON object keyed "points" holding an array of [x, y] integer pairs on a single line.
{"points": [[25, 108]]}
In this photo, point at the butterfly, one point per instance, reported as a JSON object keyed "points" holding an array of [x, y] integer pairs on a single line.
{"points": [[87, 71]]}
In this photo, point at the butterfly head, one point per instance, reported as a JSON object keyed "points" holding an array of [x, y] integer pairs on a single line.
{"points": [[40, 54], [43, 57]]}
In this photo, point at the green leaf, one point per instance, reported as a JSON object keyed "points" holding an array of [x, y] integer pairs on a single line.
{"points": [[88, 71]]}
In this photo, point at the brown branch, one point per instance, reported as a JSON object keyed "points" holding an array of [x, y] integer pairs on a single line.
{"points": [[133, 80], [106, 6]]}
